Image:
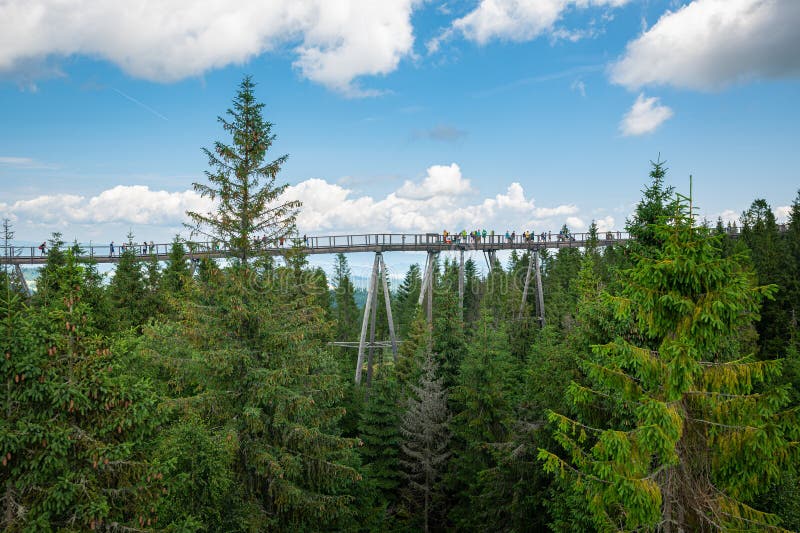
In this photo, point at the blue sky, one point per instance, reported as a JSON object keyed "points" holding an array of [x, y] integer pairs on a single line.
{"points": [[400, 115]]}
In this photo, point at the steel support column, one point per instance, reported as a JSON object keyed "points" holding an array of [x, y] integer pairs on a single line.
{"points": [[461, 283], [365, 322], [387, 297], [539, 292]]}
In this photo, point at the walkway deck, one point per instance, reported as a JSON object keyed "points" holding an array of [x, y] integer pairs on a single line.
{"points": [[331, 244]]}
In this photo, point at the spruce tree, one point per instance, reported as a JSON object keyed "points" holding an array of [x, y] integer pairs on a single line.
{"points": [[425, 445], [702, 430], [379, 429], [771, 258], [405, 309], [74, 428], [345, 312], [176, 272], [242, 182], [483, 404], [127, 291], [654, 207]]}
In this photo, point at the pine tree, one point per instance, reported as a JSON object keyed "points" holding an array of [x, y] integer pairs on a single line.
{"points": [[127, 290], [242, 183], [424, 428], [176, 272], [483, 402], [654, 206], [449, 341], [379, 429], [345, 312], [703, 430], [74, 428], [405, 309], [773, 264], [250, 347]]}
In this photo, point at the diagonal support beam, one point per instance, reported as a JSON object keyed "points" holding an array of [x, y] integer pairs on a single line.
{"points": [[461, 283], [527, 284], [387, 298], [21, 278], [367, 310], [539, 292]]}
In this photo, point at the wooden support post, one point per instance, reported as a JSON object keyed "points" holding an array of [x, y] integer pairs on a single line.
{"points": [[387, 297], [373, 318], [365, 322], [430, 288], [461, 283], [21, 277], [539, 292], [428, 268], [527, 283]]}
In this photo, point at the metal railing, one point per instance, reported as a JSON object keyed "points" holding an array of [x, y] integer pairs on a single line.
{"points": [[330, 244]]}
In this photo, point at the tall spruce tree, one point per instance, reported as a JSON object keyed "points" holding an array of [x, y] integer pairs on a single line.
{"points": [[655, 206], [345, 311], [483, 402], [772, 262], [702, 429], [425, 445], [405, 308], [243, 183]]}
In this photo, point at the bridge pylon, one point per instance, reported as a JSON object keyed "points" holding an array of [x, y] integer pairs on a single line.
{"points": [[426, 290], [379, 274], [533, 266]]}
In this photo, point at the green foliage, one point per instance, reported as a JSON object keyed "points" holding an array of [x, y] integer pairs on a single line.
{"points": [[705, 433], [483, 402], [380, 433], [405, 308], [251, 362], [243, 183], [74, 428], [425, 433], [176, 274]]}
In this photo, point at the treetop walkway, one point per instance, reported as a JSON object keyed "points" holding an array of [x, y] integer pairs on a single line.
{"points": [[329, 244]]}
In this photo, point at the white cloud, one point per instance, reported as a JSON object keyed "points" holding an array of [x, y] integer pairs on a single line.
{"points": [[443, 199], [645, 116], [708, 44], [440, 180], [335, 41], [437, 202], [782, 213], [134, 204], [517, 20], [579, 86]]}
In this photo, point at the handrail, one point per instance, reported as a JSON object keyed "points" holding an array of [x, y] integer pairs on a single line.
{"points": [[332, 243]]}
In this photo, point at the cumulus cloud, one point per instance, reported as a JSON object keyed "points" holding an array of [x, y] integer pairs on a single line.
{"points": [[440, 180], [135, 204], [335, 41], [645, 116], [517, 20], [708, 44], [438, 202], [443, 199]]}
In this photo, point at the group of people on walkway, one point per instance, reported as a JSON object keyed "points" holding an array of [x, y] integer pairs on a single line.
{"points": [[144, 248], [476, 236]]}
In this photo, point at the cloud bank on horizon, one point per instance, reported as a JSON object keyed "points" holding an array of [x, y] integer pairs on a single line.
{"points": [[442, 199]]}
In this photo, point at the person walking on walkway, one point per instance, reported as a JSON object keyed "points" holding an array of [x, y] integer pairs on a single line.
{"points": [[43, 247], [111, 248]]}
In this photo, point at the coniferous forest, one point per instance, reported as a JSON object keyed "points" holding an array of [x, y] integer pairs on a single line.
{"points": [[661, 395]]}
